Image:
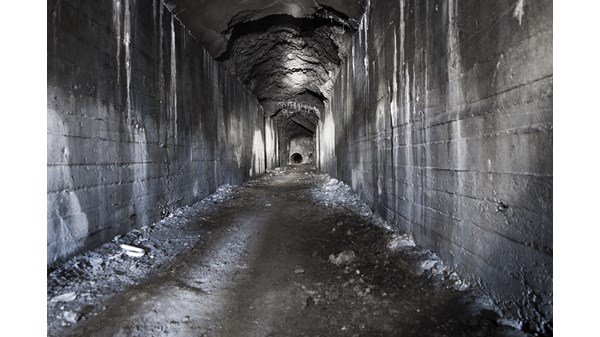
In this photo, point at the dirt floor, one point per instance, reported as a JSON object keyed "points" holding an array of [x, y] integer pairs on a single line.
{"points": [[292, 253]]}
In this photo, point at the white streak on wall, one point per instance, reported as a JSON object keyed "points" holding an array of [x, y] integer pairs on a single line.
{"points": [[394, 93], [455, 94], [173, 83], [403, 64], [351, 57], [453, 102], [406, 95], [55, 24], [74, 223], [161, 76], [258, 154], [327, 140], [117, 25], [235, 132], [127, 42], [519, 11], [270, 143], [366, 59]]}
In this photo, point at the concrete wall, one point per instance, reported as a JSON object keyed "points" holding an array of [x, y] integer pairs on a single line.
{"points": [[271, 143], [304, 146], [441, 118], [141, 120]]}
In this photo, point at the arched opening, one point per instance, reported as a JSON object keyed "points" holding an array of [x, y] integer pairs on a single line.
{"points": [[296, 158]]}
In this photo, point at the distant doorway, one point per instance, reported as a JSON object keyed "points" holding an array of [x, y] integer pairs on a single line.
{"points": [[296, 158]]}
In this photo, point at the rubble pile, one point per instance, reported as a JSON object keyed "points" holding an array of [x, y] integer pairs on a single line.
{"points": [[93, 276]]}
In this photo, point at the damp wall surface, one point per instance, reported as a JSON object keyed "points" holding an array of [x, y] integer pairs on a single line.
{"points": [[271, 144], [141, 120], [441, 119]]}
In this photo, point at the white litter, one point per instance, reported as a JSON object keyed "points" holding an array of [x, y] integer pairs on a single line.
{"points": [[132, 250], [66, 297]]}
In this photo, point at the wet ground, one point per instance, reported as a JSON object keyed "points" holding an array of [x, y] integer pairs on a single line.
{"points": [[292, 253]]}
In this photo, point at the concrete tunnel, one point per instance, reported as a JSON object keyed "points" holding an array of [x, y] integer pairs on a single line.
{"points": [[437, 114]]}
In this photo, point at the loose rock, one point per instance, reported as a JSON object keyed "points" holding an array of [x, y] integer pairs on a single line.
{"points": [[71, 316], [346, 256]]}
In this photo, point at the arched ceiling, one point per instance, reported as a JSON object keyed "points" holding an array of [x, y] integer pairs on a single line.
{"points": [[286, 52]]}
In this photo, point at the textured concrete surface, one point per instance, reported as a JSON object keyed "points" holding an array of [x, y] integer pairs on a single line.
{"points": [[441, 119], [140, 120]]}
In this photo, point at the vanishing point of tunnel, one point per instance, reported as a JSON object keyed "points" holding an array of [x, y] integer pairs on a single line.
{"points": [[299, 168]]}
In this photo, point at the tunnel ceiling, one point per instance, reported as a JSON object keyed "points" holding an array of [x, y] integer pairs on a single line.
{"points": [[286, 52]]}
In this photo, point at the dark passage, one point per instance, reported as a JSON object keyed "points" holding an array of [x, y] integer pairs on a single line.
{"points": [[300, 168], [296, 158]]}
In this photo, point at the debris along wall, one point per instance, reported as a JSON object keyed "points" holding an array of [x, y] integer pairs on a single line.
{"points": [[441, 119], [141, 120]]}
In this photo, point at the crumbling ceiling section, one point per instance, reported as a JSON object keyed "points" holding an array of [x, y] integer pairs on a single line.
{"points": [[286, 52]]}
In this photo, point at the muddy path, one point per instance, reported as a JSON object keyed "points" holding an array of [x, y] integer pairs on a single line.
{"points": [[278, 261]]}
